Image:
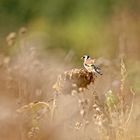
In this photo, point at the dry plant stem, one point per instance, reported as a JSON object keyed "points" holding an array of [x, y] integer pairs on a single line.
{"points": [[122, 46], [22, 90], [22, 135], [19, 89], [123, 77], [131, 109], [53, 108], [83, 129]]}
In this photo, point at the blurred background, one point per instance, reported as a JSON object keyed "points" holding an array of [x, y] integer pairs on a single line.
{"points": [[90, 26], [41, 39], [102, 28]]}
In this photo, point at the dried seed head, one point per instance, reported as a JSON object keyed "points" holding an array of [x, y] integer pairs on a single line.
{"points": [[80, 89], [98, 109], [95, 106], [35, 106], [11, 38], [82, 112], [73, 92], [77, 79], [74, 85], [22, 31], [6, 60], [99, 123], [78, 125], [33, 132]]}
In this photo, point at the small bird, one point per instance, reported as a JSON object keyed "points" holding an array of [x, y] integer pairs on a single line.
{"points": [[90, 66]]}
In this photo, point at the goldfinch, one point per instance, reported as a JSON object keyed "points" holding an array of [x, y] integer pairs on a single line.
{"points": [[90, 65]]}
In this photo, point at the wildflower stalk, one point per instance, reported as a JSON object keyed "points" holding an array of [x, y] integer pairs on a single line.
{"points": [[123, 77], [53, 108], [131, 109]]}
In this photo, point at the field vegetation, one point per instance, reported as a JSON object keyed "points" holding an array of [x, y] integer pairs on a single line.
{"points": [[45, 92]]}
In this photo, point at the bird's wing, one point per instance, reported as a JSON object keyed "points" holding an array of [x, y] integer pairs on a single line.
{"points": [[96, 67]]}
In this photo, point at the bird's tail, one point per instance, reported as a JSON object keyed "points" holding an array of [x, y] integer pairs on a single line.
{"points": [[97, 69], [99, 72]]}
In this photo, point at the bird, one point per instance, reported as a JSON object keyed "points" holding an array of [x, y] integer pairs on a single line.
{"points": [[89, 65]]}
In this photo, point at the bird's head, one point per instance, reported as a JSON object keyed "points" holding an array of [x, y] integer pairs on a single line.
{"points": [[85, 57]]}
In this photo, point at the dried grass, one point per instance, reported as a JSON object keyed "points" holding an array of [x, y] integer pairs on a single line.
{"points": [[68, 108]]}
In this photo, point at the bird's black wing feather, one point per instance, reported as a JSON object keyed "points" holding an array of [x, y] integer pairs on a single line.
{"points": [[97, 69]]}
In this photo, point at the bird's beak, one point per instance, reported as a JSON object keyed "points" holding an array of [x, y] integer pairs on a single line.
{"points": [[82, 57]]}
